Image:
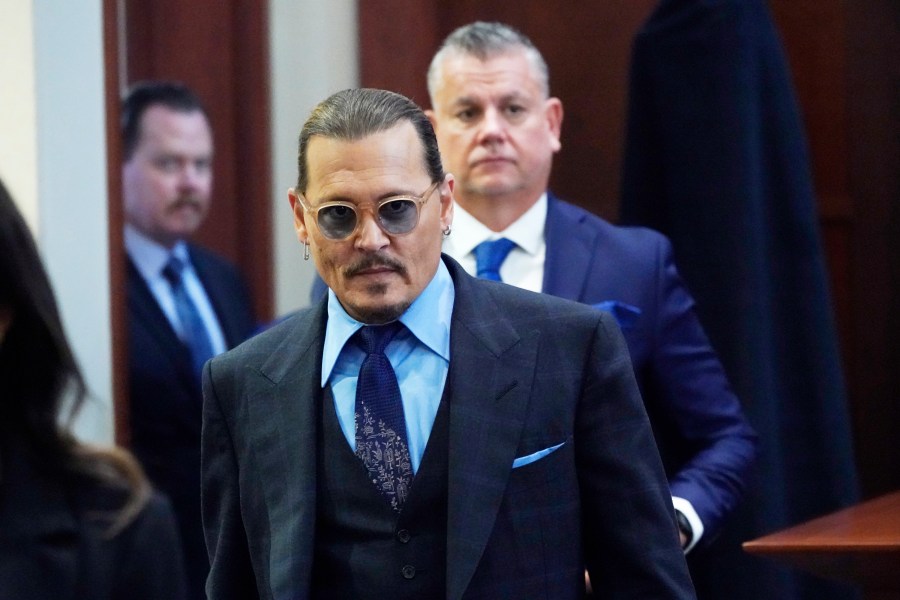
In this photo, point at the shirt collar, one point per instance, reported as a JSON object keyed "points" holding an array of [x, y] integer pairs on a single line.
{"points": [[527, 231], [148, 256], [427, 318]]}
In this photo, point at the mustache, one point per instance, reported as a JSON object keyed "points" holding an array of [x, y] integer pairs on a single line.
{"points": [[375, 260], [183, 201]]}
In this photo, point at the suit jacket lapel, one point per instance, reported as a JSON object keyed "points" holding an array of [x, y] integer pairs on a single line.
{"points": [[487, 413], [569, 252], [282, 405]]}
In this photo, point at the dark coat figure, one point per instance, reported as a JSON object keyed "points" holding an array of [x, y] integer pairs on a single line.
{"points": [[164, 393], [76, 521], [716, 159]]}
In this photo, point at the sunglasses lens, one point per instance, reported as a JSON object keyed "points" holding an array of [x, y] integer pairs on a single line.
{"points": [[398, 216], [336, 222]]}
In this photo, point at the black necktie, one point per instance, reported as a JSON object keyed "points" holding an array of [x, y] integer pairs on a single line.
{"points": [[380, 425], [194, 333], [489, 256]]}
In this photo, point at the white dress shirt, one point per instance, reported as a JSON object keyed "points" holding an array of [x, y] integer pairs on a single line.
{"points": [[524, 267]]}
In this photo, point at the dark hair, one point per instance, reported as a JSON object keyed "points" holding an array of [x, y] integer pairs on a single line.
{"points": [[39, 376], [485, 40], [141, 96], [356, 113]]}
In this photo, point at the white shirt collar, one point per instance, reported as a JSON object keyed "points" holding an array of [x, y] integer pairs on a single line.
{"points": [[527, 231], [148, 256]]}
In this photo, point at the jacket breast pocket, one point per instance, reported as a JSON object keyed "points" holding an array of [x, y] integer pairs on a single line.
{"points": [[542, 467]]}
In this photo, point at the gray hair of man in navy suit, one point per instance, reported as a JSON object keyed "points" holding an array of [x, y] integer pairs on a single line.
{"points": [[486, 40], [354, 114]]}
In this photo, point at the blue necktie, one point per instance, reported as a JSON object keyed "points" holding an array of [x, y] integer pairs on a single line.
{"points": [[380, 424], [194, 333], [489, 256]]}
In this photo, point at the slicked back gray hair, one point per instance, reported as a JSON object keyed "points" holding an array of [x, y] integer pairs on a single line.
{"points": [[485, 40], [354, 114]]}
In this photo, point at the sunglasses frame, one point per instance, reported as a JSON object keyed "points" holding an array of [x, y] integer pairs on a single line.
{"points": [[418, 202]]}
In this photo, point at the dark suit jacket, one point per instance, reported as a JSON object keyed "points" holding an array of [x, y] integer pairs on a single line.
{"points": [[164, 393], [53, 546], [527, 372], [706, 443]]}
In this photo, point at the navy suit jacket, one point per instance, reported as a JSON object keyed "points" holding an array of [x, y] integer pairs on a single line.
{"points": [[527, 372], [164, 392], [706, 443]]}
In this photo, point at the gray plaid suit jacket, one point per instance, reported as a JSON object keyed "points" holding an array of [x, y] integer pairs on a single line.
{"points": [[527, 372]]}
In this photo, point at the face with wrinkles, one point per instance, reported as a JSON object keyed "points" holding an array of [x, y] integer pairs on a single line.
{"points": [[496, 127], [375, 275], [167, 181]]}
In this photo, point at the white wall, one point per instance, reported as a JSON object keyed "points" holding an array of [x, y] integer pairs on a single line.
{"points": [[313, 49], [53, 151], [18, 142]]}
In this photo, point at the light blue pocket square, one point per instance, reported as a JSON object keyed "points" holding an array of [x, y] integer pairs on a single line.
{"points": [[625, 314], [526, 460]]}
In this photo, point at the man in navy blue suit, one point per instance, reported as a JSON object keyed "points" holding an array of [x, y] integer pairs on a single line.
{"points": [[185, 304], [498, 129]]}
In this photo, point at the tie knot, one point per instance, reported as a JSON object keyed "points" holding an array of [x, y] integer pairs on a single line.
{"points": [[490, 255], [172, 270], [375, 338]]}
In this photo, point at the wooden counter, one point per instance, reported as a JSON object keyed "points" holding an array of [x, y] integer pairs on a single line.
{"points": [[860, 544]]}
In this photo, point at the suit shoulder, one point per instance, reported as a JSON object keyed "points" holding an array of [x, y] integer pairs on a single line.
{"points": [[262, 343], [518, 302], [620, 241], [623, 233], [562, 323]]}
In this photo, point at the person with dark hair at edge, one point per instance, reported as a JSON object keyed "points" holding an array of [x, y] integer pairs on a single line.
{"points": [[76, 520]]}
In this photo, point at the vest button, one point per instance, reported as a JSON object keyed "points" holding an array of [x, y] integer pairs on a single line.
{"points": [[403, 536], [408, 571]]}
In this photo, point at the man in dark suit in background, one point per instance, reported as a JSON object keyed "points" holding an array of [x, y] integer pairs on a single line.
{"points": [[498, 129], [185, 304], [419, 433]]}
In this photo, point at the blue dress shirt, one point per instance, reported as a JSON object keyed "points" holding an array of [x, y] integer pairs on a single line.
{"points": [[150, 258], [420, 356]]}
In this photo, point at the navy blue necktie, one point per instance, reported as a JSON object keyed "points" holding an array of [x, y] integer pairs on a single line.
{"points": [[194, 333], [380, 424], [489, 256]]}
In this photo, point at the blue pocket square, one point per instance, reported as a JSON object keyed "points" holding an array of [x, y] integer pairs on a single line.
{"points": [[526, 460], [626, 315]]}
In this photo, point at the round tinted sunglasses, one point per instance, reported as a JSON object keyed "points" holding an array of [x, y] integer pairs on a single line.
{"points": [[395, 215]]}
